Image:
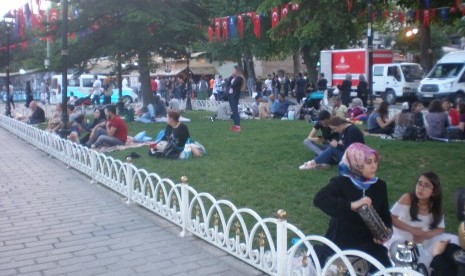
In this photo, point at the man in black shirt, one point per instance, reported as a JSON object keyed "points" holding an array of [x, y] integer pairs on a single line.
{"points": [[316, 143]]}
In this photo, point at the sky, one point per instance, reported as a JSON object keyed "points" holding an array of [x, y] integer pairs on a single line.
{"points": [[6, 5]]}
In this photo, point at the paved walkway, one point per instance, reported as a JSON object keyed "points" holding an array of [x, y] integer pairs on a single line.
{"points": [[54, 222]]}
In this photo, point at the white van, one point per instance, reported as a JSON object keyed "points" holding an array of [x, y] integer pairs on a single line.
{"points": [[81, 86], [446, 79], [393, 81]]}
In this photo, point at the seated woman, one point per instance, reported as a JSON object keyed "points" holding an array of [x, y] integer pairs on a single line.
{"points": [[54, 122], [379, 122], [316, 143], [348, 134], [418, 216], [176, 135], [451, 112], [355, 186], [356, 110], [404, 120], [80, 131], [437, 121]]}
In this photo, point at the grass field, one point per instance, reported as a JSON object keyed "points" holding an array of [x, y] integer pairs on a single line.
{"points": [[258, 167]]}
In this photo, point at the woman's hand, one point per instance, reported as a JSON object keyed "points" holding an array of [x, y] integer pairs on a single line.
{"points": [[354, 205], [385, 240]]}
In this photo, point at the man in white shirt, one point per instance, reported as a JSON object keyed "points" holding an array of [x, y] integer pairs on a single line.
{"points": [[96, 91]]}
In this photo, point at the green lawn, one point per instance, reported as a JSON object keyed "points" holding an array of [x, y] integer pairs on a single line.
{"points": [[258, 167]]}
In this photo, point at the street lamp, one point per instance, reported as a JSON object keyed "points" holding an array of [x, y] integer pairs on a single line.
{"points": [[370, 56], [189, 84], [64, 68], [8, 19]]}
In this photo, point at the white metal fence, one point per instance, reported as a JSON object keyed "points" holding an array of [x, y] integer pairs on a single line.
{"points": [[261, 242]]}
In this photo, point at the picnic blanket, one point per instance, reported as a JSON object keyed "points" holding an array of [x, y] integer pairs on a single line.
{"points": [[130, 143]]}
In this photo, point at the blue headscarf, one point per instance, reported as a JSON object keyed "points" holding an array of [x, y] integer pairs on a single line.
{"points": [[352, 163]]}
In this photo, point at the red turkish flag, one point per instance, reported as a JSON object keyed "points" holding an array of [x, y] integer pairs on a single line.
{"points": [[349, 5], [295, 6], [240, 25], [217, 29], [401, 18], [274, 17], [426, 17], [284, 11], [256, 25], [224, 24], [210, 33]]}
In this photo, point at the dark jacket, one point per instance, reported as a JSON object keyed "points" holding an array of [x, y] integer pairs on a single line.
{"points": [[346, 228]]}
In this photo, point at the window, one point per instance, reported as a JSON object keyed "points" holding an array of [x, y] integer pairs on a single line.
{"points": [[87, 82], [378, 71], [446, 70]]}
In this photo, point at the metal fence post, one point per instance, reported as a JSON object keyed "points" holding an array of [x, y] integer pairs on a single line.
{"points": [[281, 242], [184, 206], [129, 179], [93, 165]]}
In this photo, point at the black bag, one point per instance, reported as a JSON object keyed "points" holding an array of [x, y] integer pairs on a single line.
{"points": [[414, 133]]}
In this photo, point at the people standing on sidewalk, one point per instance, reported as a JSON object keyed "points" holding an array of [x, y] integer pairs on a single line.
{"points": [[236, 82]]}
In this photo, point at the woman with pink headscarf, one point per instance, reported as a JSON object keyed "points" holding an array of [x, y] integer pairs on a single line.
{"points": [[356, 185]]}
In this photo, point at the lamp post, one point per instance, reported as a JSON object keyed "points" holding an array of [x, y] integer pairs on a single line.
{"points": [[120, 84], [8, 21], [189, 84], [370, 57], [64, 68]]}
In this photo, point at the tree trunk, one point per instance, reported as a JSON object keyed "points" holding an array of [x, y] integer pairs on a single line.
{"points": [[310, 63], [144, 75], [426, 52], [296, 62], [249, 63]]}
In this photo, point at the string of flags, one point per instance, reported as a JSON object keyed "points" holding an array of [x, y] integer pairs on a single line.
{"points": [[224, 28]]}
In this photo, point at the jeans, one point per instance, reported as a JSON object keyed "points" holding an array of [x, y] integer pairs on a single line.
{"points": [[233, 103], [315, 147], [330, 155], [101, 138]]}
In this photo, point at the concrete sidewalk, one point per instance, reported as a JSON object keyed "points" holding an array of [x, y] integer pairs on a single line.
{"points": [[54, 222]]}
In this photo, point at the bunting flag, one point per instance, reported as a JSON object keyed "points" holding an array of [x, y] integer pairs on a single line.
{"points": [[217, 29], [426, 17], [274, 17], [427, 4], [284, 11], [240, 24], [443, 13], [417, 16], [401, 18], [231, 27], [224, 25], [210, 33], [27, 13], [349, 5], [295, 6], [256, 25]]}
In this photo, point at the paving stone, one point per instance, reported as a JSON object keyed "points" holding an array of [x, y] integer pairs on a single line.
{"points": [[54, 222]]}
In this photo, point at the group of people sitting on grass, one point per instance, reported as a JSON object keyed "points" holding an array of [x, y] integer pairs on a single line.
{"points": [[441, 121], [416, 217]]}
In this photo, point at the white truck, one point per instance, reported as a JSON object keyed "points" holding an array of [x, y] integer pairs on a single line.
{"points": [[445, 80], [390, 80], [395, 81]]}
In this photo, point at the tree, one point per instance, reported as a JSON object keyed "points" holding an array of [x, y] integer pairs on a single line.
{"points": [[133, 30], [426, 49]]}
